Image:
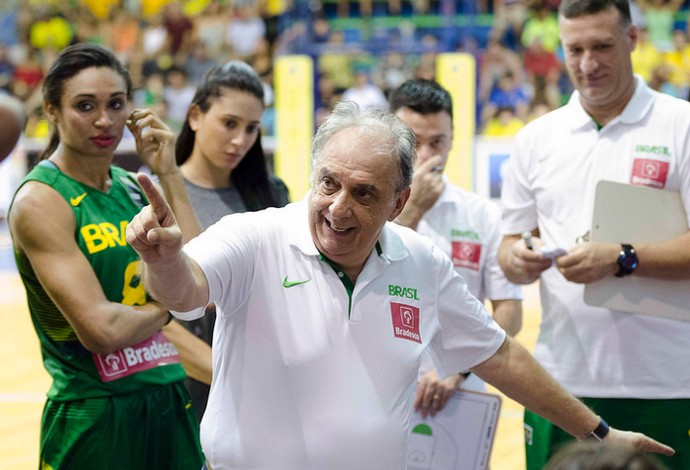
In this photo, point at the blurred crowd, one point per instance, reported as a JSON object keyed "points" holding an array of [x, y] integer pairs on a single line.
{"points": [[169, 45], [167, 51], [519, 60]]}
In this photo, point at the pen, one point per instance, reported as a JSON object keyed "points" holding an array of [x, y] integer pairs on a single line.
{"points": [[527, 236]]}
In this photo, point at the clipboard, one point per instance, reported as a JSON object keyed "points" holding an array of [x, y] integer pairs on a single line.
{"points": [[625, 213], [459, 437]]}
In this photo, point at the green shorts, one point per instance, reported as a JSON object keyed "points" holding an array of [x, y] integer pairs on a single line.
{"points": [[151, 429], [667, 421]]}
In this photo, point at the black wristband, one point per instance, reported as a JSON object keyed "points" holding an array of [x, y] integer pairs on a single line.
{"points": [[170, 318], [600, 432], [465, 374]]}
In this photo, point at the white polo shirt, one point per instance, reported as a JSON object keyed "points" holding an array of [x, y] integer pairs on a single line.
{"points": [[307, 376], [549, 184], [467, 228]]}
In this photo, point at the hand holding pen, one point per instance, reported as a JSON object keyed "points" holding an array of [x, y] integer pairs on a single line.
{"points": [[527, 237]]}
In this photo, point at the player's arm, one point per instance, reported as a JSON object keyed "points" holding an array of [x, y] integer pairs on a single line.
{"points": [[42, 226]]}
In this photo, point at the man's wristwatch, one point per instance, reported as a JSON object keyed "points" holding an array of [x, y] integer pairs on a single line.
{"points": [[627, 260], [599, 433]]}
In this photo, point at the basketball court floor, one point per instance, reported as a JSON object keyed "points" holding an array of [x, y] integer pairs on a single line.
{"points": [[24, 382]]}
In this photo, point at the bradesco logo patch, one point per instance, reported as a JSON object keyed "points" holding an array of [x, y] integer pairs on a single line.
{"points": [[405, 322], [466, 254], [647, 172], [153, 352]]}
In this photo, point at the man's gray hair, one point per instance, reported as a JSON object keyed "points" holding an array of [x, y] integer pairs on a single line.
{"points": [[385, 133]]}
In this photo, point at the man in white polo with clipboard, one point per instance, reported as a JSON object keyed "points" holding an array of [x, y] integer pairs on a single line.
{"points": [[606, 333]]}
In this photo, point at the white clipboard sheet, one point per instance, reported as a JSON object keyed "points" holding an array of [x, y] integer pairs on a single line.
{"points": [[637, 214], [459, 437]]}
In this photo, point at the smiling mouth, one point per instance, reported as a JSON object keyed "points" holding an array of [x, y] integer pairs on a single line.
{"points": [[337, 229]]}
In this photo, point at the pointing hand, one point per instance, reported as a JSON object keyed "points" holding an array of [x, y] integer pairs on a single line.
{"points": [[153, 232]]}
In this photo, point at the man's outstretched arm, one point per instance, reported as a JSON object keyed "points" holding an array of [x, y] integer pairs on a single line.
{"points": [[170, 276], [517, 374]]}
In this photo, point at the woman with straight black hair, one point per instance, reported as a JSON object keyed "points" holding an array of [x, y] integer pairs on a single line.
{"points": [[223, 163]]}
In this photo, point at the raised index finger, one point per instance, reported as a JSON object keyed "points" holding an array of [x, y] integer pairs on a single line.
{"points": [[158, 203]]}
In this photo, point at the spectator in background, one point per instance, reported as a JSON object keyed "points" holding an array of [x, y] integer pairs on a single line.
{"points": [[87, 28], [661, 82], [178, 94], [198, 62], [9, 19], [328, 97], [210, 28], [179, 29], [538, 108], [496, 61], [152, 95], [6, 69], [503, 124], [27, 75], [50, 31], [244, 31], [542, 25], [336, 63], [645, 57], [660, 19], [506, 95], [509, 21], [679, 61], [263, 65], [321, 30], [543, 71], [155, 37], [125, 34], [394, 69], [426, 66], [636, 14], [365, 93]]}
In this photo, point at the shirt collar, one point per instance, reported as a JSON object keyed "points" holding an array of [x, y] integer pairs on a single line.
{"points": [[636, 109]]}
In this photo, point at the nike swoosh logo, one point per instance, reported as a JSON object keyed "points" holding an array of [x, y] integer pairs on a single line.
{"points": [[75, 201], [544, 158], [287, 283]]}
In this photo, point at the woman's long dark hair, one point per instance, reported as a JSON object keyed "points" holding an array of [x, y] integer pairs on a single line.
{"points": [[251, 175], [69, 63]]}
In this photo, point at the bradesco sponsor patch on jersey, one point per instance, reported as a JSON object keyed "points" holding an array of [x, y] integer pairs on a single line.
{"points": [[648, 172], [153, 352], [466, 254], [405, 322]]}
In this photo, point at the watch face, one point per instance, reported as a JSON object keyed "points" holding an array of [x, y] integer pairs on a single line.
{"points": [[628, 262]]}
